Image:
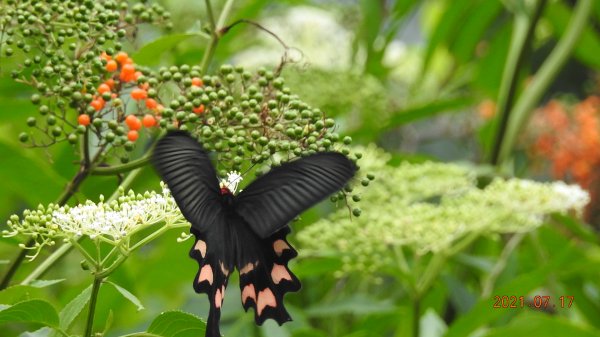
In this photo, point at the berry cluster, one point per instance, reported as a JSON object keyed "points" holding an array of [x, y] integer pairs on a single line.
{"points": [[55, 45], [90, 91]]}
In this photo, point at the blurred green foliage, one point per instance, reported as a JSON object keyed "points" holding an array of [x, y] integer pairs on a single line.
{"points": [[407, 75]]}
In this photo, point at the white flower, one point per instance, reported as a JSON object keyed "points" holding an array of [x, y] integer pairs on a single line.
{"points": [[110, 222], [232, 181]]}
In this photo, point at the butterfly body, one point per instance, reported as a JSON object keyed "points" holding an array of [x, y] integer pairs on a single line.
{"points": [[246, 231]]}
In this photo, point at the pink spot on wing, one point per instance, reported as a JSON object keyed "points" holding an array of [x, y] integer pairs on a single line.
{"points": [[265, 298], [248, 292], [206, 274], [218, 298], [279, 272], [247, 268], [201, 247], [279, 246]]}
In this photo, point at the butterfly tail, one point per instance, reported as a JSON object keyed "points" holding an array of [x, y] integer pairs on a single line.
{"points": [[211, 279], [266, 278]]}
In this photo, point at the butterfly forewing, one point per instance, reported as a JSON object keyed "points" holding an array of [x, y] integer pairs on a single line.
{"points": [[274, 199], [185, 167]]}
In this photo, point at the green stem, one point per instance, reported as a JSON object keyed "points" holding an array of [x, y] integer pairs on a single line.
{"points": [[215, 32], [511, 245], [522, 35], [416, 326], [67, 193], [113, 170], [92, 308], [544, 77]]}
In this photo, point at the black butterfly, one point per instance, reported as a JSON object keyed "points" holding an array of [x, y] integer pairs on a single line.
{"points": [[246, 231]]}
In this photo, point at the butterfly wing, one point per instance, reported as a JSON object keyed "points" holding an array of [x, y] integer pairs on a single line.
{"points": [[185, 167], [274, 199], [264, 274], [213, 274]]}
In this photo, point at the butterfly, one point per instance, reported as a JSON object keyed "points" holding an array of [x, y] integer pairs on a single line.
{"points": [[246, 231]]}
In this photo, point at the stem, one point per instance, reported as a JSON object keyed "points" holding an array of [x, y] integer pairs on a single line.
{"points": [[67, 193], [215, 32], [48, 262], [523, 32], [92, 308], [112, 170], [214, 41], [542, 80], [489, 282], [416, 316]]}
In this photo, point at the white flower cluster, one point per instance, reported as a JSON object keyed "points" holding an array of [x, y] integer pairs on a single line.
{"points": [[106, 221], [427, 207]]}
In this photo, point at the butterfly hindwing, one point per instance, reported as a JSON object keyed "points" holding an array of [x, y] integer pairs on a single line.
{"points": [[265, 276], [274, 199], [211, 278]]}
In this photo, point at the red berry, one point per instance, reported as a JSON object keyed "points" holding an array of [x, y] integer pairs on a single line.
{"points": [[83, 119], [149, 121], [111, 66], [132, 135]]}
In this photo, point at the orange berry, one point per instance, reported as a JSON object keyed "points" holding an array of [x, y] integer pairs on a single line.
{"points": [[97, 103], [83, 119], [133, 122], [102, 88], [128, 68], [111, 66], [138, 94], [137, 75], [110, 82], [132, 135], [105, 56], [149, 121], [197, 82], [199, 109], [114, 95], [126, 77], [145, 86], [151, 103], [159, 108], [121, 57]]}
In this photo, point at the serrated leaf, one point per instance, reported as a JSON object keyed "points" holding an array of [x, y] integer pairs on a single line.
{"points": [[128, 295], [32, 311], [177, 324], [44, 283], [73, 308]]}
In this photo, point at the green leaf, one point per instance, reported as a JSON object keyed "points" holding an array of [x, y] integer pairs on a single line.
{"points": [[537, 324], [73, 308], [32, 311], [430, 109], [150, 54], [128, 295], [27, 172], [483, 312], [44, 283], [19, 293], [177, 324], [588, 47], [358, 304]]}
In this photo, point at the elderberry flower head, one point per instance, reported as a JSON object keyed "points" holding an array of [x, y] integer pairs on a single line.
{"points": [[427, 208], [109, 222]]}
